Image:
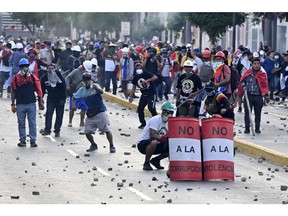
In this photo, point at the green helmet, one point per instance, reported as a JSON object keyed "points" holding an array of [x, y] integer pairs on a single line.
{"points": [[167, 106]]}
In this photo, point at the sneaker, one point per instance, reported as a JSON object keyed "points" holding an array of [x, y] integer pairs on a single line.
{"points": [[156, 163], [142, 126], [147, 167], [246, 131], [112, 149], [45, 133], [57, 134], [21, 144], [92, 148], [69, 125], [257, 131], [33, 144]]}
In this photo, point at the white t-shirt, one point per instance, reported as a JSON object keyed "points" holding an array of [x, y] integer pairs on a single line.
{"points": [[155, 123], [109, 64], [165, 72]]}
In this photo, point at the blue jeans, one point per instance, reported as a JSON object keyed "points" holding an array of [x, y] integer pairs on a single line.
{"points": [[271, 84], [167, 81], [58, 106], [110, 75], [28, 110]]}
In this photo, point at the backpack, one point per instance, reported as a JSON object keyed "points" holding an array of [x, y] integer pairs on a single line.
{"points": [[6, 55], [206, 72], [75, 61], [235, 78]]}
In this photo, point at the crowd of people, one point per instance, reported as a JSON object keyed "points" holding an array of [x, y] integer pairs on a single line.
{"points": [[208, 83]]}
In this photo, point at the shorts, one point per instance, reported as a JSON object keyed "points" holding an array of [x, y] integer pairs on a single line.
{"points": [[99, 121], [79, 103], [161, 148]]}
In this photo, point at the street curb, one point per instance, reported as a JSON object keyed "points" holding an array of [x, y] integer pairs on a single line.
{"points": [[124, 102], [261, 152], [245, 147]]}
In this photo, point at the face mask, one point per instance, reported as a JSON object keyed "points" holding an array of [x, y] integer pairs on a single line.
{"points": [[216, 65], [24, 71], [166, 117], [139, 71], [76, 54], [276, 57], [87, 84]]}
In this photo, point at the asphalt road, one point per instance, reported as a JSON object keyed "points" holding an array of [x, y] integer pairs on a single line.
{"points": [[59, 171]]}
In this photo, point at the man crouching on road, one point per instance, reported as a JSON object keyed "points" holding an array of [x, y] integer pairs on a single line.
{"points": [[153, 139], [96, 115]]}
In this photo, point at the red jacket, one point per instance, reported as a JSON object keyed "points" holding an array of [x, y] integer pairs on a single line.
{"points": [[261, 79]]}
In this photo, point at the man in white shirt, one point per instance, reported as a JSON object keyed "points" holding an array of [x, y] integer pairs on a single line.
{"points": [[153, 139]]}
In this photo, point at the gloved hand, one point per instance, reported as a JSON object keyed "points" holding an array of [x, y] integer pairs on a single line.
{"points": [[163, 138], [13, 108]]}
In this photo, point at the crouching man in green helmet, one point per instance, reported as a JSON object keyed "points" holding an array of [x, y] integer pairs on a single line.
{"points": [[153, 140]]}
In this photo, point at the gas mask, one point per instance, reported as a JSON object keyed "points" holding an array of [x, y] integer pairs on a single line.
{"points": [[166, 115], [76, 54], [87, 84], [24, 71], [139, 71]]}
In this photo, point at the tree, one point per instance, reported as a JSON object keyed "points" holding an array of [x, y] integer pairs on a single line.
{"points": [[215, 24], [149, 28], [29, 20]]}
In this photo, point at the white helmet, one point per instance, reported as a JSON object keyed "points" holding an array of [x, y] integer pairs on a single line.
{"points": [[188, 63], [256, 55], [188, 45], [13, 45], [87, 65], [94, 61], [19, 46], [262, 52], [76, 48], [125, 50]]}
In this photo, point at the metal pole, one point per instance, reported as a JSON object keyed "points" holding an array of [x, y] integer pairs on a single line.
{"points": [[234, 32], [187, 32]]}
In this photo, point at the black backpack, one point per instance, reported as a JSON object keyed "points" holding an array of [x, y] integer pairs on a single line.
{"points": [[235, 78]]}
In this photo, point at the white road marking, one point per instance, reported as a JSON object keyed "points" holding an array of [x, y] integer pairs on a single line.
{"points": [[72, 153], [139, 193], [102, 172], [51, 138]]}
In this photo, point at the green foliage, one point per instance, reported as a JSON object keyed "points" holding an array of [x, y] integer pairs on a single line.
{"points": [[149, 28], [215, 24], [175, 21]]}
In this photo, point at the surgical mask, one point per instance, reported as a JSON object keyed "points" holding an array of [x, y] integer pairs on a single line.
{"points": [[216, 65], [139, 71], [276, 57]]}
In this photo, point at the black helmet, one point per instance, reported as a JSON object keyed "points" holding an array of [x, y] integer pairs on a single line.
{"points": [[86, 76], [210, 87]]}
